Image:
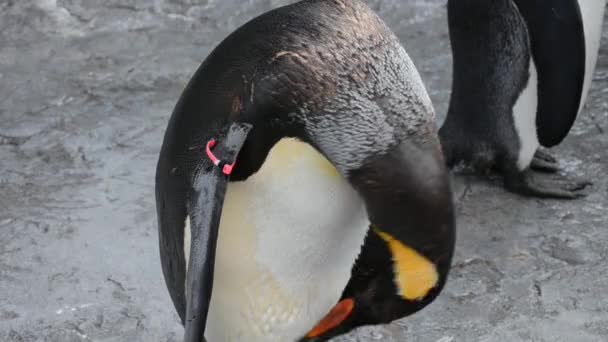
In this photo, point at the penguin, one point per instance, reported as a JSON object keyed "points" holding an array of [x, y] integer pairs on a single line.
{"points": [[521, 73], [301, 188]]}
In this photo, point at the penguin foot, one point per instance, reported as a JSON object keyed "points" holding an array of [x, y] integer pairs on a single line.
{"points": [[544, 162], [528, 184]]}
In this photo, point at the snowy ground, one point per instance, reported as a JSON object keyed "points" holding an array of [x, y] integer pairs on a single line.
{"points": [[86, 89]]}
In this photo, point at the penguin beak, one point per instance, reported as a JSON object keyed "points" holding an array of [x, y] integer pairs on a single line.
{"points": [[204, 205], [334, 323]]}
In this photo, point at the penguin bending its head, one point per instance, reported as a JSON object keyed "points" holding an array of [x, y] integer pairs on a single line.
{"points": [[522, 71], [338, 212]]}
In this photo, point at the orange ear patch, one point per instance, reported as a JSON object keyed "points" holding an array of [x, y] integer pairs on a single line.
{"points": [[334, 318], [415, 275]]}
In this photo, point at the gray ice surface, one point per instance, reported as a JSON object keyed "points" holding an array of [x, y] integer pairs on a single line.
{"points": [[86, 89]]}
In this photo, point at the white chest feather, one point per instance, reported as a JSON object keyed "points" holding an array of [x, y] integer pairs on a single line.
{"points": [[288, 238], [593, 16], [524, 115]]}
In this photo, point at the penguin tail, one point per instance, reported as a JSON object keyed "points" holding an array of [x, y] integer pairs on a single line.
{"points": [[204, 207]]}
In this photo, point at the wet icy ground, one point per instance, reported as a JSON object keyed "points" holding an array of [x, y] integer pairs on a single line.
{"points": [[86, 88]]}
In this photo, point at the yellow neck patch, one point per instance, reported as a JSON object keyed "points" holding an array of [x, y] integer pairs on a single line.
{"points": [[288, 150], [415, 275]]}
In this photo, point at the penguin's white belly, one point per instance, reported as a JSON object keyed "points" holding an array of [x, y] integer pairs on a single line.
{"points": [[592, 12], [524, 116], [288, 238]]}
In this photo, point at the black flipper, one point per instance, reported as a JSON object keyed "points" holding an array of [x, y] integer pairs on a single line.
{"points": [[205, 209], [192, 186], [558, 45]]}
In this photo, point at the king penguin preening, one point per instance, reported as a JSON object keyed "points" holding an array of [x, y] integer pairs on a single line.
{"points": [[522, 71], [338, 212]]}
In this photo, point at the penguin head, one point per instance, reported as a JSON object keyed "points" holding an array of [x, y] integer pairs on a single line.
{"points": [[404, 264], [390, 281]]}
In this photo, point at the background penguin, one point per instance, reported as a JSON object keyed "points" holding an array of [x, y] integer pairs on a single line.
{"points": [[522, 71], [337, 148]]}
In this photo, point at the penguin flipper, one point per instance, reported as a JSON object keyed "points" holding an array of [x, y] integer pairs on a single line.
{"points": [[558, 45], [204, 207], [171, 210], [190, 201]]}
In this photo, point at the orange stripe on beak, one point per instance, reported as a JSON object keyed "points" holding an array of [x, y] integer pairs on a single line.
{"points": [[335, 317]]}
